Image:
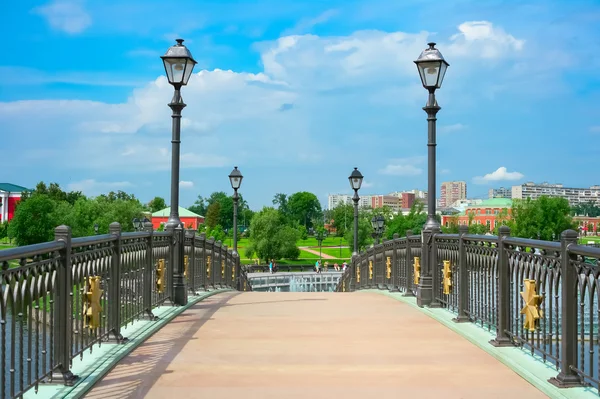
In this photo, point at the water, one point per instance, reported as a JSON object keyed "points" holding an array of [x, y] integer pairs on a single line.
{"points": [[294, 282]]}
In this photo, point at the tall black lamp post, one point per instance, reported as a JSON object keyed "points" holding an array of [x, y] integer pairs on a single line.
{"points": [[235, 177], [320, 236], [179, 64], [377, 222], [356, 179], [432, 68]]}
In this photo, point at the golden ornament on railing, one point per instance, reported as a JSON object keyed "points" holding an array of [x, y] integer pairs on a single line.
{"points": [[531, 309], [244, 285], [160, 276], [447, 277], [370, 270], [233, 273], [185, 266], [208, 266], [417, 270], [92, 307], [358, 273], [222, 269], [344, 286], [388, 267]]}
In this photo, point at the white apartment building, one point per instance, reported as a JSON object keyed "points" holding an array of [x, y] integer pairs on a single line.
{"points": [[575, 196], [334, 200], [501, 192]]}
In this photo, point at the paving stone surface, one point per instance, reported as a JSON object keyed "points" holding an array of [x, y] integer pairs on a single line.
{"points": [[308, 345]]}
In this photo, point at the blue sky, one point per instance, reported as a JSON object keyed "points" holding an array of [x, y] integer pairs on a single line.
{"points": [[297, 93]]}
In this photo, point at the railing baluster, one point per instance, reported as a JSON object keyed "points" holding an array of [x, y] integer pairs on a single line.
{"points": [[463, 277], [503, 295]]}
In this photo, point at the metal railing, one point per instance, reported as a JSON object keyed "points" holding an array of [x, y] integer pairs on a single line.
{"points": [[61, 299], [540, 295]]}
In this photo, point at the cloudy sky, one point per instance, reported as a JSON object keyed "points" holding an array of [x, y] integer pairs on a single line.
{"points": [[297, 93]]}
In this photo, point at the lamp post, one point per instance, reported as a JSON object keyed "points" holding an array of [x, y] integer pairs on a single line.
{"points": [[355, 179], [432, 69], [377, 222], [96, 228], [235, 178], [320, 236], [179, 64]]}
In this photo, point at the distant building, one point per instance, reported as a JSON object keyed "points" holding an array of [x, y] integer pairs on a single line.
{"points": [[484, 213], [452, 191], [334, 200], [10, 194], [575, 196], [189, 219], [462, 204], [391, 201], [501, 192]]}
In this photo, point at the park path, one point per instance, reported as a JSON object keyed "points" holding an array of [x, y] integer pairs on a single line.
{"points": [[308, 345], [314, 252]]}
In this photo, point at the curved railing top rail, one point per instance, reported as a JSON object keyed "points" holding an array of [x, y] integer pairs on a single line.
{"points": [[585, 250], [99, 239], [530, 243], [30, 250]]}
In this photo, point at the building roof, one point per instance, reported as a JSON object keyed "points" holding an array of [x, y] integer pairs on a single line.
{"points": [[494, 203], [13, 188], [184, 213]]}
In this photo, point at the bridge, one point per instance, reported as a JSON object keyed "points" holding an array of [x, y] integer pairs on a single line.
{"points": [[155, 314]]}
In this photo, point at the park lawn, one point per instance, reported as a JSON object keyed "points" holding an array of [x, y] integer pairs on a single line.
{"points": [[346, 253], [329, 241], [584, 240], [307, 255]]}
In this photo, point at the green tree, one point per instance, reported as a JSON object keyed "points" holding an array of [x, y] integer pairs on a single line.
{"points": [[304, 207], [157, 204], [212, 215], [33, 221], [543, 216], [199, 207], [589, 209], [415, 220], [3, 230], [270, 237], [343, 217], [364, 231]]}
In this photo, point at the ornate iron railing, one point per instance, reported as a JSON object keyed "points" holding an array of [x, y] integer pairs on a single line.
{"points": [[543, 296], [61, 299]]}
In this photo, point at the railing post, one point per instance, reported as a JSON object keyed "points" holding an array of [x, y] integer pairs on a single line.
{"points": [[63, 309], [395, 266], [435, 273], [503, 270], [409, 268], [463, 277], [114, 284], [149, 272], [191, 269], [567, 377], [179, 291], [425, 288], [202, 262]]}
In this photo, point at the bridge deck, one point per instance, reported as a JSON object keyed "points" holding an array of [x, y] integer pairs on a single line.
{"points": [[300, 345]]}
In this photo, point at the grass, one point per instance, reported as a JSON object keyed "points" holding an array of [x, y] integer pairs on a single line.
{"points": [[329, 241], [585, 240], [346, 253]]}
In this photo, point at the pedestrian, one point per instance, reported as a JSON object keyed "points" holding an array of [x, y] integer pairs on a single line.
{"points": [[344, 265], [271, 266], [317, 266], [336, 267]]}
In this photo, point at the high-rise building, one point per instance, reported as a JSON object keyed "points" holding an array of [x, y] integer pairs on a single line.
{"points": [[391, 201], [575, 196], [334, 200], [501, 192], [452, 191]]}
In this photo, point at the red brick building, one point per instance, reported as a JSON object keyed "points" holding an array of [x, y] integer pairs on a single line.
{"points": [[588, 225], [485, 213], [189, 219], [10, 194], [407, 200]]}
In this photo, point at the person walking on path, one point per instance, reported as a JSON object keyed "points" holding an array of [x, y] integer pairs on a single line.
{"points": [[317, 269], [271, 266], [344, 266], [336, 267]]}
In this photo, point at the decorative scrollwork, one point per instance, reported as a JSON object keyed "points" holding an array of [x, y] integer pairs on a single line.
{"points": [[531, 309], [92, 306], [447, 277], [358, 273], [233, 273], [223, 269], [417, 270], [388, 267], [370, 270], [185, 266], [160, 276], [208, 266], [344, 286]]}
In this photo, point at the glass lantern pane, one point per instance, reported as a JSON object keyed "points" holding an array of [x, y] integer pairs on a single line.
{"points": [[175, 68], [443, 68], [189, 67], [429, 72]]}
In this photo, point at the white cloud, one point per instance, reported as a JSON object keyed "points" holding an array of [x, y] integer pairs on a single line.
{"points": [[66, 15], [481, 39], [403, 167], [500, 174], [93, 187], [367, 184], [186, 184], [306, 24], [451, 128]]}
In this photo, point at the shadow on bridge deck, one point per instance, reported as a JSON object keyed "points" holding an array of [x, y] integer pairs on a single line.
{"points": [[300, 345]]}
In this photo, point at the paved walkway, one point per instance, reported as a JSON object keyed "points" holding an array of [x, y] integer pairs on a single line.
{"points": [[308, 345]]}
